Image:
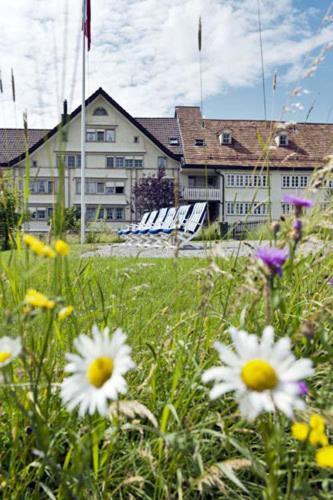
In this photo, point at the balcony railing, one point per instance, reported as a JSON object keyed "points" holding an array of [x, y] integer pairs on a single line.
{"points": [[209, 194]]}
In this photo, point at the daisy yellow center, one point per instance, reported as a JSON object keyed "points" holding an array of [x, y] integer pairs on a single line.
{"points": [[258, 375], [4, 356], [100, 370]]}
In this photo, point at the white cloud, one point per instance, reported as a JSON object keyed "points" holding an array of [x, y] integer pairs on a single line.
{"points": [[144, 52]]}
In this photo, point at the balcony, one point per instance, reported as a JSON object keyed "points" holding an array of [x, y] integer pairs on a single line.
{"points": [[196, 194]]}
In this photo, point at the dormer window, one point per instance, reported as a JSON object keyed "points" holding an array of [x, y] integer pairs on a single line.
{"points": [[100, 112], [199, 142], [173, 141], [282, 139], [226, 137]]}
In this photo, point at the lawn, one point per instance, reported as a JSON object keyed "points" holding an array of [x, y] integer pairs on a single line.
{"points": [[165, 438]]}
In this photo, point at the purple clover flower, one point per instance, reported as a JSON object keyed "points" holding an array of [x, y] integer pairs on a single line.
{"points": [[274, 258], [297, 201], [297, 225], [303, 388]]}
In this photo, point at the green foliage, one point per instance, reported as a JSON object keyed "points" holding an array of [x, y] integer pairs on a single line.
{"points": [[9, 216], [71, 219]]}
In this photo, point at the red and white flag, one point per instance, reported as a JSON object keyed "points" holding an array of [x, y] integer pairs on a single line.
{"points": [[86, 23]]}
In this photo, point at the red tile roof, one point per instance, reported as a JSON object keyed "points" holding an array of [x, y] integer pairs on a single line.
{"points": [[163, 129], [308, 143], [12, 142]]}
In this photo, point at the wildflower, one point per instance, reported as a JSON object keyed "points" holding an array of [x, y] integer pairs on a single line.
{"points": [[48, 252], [298, 203], [36, 245], [314, 432], [324, 456], [96, 371], [303, 388], [37, 299], [330, 281], [65, 312], [62, 248], [263, 375], [10, 348], [273, 258], [317, 422], [300, 431]]}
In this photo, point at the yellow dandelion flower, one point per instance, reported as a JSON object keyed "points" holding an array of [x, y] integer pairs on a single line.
{"points": [[317, 422], [324, 457], [62, 248], [300, 431], [28, 239], [65, 312], [48, 252], [317, 436], [37, 299]]}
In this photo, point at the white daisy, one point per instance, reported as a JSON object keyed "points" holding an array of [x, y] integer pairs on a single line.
{"points": [[264, 375], [10, 348], [96, 371]]}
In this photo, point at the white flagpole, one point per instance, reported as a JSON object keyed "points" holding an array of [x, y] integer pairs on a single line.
{"points": [[83, 132]]}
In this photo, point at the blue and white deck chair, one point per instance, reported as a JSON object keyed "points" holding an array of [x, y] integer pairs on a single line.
{"points": [[134, 236], [126, 231], [194, 224], [143, 236], [167, 234]]}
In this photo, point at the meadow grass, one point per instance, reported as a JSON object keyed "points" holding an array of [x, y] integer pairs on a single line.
{"points": [[165, 438]]}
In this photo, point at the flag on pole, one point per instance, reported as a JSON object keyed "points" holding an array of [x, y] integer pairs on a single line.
{"points": [[86, 25], [199, 34], [13, 86]]}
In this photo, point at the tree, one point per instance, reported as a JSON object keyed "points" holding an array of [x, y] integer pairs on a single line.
{"points": [[154, 192], [9, 216]]}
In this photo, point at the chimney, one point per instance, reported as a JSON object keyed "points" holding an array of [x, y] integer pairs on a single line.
{"points": [[64, 116]]}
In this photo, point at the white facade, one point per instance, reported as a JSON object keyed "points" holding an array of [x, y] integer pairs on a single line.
{"points": [[118, 154]]}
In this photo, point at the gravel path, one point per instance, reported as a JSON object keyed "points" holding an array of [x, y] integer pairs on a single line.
{"points": [[197, 249]]}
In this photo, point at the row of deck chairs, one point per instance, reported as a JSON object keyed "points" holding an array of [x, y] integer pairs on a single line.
{"points": [[166, 227]]}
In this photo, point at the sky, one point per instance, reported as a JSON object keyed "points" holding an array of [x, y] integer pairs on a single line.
{"points": [[144, 53]]}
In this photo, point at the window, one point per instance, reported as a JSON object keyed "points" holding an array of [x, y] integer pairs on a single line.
{"points": [[202, 182], [70, 160], [129, 162], [100, 187], [161, 162], [286, 208], [246, 180], [104, 213], [138, 163], [136, 139], [226, 137], [246, 207], [41, 186], [100, 135], [294, 181], [119, 162], [41, 213], [109, 162], [199, 142], [34, 163], [100, 112], [283, 139], [173, 141]]}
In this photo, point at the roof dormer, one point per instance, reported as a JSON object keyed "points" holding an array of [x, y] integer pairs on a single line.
{"points": [[282, 139], [225, 137]]}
